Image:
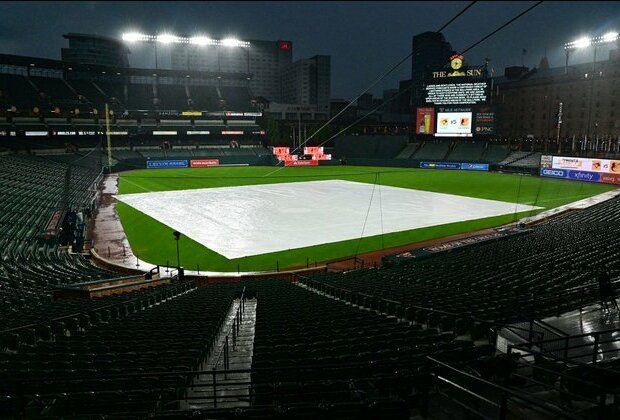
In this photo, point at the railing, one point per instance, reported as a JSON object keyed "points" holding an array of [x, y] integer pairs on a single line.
{"points": [[571, 379], [428, 375], [531, 330], [357, 263], [233, 332], [478, 396], [560, 348]]}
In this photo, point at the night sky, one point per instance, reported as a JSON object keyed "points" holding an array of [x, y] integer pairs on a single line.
{"points": [[363, 38]]}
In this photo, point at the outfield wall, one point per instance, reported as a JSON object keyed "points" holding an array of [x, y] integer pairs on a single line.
{"points": [[131, 164]]}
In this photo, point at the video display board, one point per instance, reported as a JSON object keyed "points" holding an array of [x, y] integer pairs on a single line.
{"points": [[454, 123], [468, 93], [457, 85], [425, 121]]}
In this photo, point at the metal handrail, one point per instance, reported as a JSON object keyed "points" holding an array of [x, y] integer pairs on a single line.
{"points": [[233, 327], [569, 337], [506, 392]]}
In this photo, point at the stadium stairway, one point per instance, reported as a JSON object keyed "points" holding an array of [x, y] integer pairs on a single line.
{"points": [[232, 351]]}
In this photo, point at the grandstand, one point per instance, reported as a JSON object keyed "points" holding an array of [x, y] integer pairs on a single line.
{"points": [[447, 327]]}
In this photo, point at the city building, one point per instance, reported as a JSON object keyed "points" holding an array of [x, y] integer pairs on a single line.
{"points": [[430, 51], [307, 82]]}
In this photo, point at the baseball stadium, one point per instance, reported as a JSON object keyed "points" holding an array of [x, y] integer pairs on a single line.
{"points": [[178, 244]]}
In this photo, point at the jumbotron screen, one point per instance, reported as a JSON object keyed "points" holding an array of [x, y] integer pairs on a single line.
{"points": [[467, 93], [454, 124]]}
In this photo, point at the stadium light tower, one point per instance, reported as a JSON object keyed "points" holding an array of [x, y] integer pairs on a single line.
{"points": [[585, 42], [169, 39]]}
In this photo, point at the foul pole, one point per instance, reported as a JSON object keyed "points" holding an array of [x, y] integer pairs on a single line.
{"points": [[107, 132]]}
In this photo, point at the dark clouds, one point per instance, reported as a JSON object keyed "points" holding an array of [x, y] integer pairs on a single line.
{"points": [[363, 38]]}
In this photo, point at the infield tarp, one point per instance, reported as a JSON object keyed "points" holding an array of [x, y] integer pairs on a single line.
{"points": [[258, 219]]}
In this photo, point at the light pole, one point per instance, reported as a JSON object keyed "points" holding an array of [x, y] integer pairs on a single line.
{"points": [[177, 236]]}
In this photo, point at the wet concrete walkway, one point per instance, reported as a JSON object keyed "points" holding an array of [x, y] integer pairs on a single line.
{"points": [[232, 389]]}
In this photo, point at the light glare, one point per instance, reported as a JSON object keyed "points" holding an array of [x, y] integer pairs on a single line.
{"points": [[133, 37], [166, 38], [582, 43], [200, 40], [231, 42]]}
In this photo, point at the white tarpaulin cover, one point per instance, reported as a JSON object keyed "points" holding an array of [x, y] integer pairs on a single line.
{"points": [[257, 219]]}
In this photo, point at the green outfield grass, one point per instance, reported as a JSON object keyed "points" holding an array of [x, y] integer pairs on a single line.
{"points": [[153, 242]]}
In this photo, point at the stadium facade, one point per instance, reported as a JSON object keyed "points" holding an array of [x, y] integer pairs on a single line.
{"points": [[263, 61], [96, 50], [528, 100]]}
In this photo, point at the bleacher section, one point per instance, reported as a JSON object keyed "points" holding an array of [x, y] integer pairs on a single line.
{"points": [[435, 150], [297, 328], [18, 92], [172, 97], [495, 153], [497, 280], [337, 345], [236, 98], [55, 93], [167, 329], [48, 93], [522, 159], [33, 190], [375, 147], [91, 94], [530, 161], [140, 96], [204, 98], [467, 151], [408, 151]]}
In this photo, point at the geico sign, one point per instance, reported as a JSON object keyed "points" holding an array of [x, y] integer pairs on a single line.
{"points": [[553, 172]]}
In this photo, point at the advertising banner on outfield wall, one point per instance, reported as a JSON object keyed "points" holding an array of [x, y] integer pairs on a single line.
{"points": [[204, 163], [581, 169], [440, 165], [584, 164], [553, 173], [475, 166], [610, 179], [161, 164], [455, 165], [571, 174], [301, 163]]}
